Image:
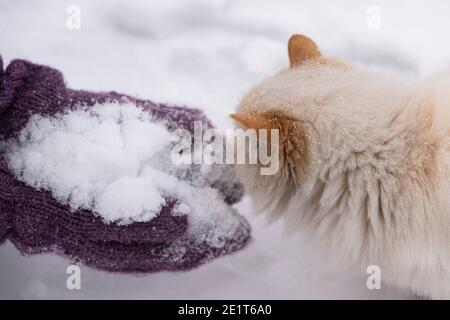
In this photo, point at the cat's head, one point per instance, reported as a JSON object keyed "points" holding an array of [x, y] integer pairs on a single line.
{"points": [[290, 102], [319, 105]]}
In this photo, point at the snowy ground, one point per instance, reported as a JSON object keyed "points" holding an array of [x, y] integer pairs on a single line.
{"points": [[206, 54]]}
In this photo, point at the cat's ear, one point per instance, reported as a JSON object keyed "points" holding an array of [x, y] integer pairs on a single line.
{"points": [[293, 137], [301, 49]]}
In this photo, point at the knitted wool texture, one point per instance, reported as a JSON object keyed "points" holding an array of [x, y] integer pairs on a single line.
{"points": [[35, 222]]}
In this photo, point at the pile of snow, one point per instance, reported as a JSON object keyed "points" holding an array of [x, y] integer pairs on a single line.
{"points": [[112, 159], [97, 159]]}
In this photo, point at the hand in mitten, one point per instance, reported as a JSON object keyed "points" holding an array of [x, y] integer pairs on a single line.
{"points": [[33, 217]]}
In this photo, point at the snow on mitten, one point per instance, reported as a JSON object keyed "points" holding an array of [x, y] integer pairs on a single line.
{"points": [[87, 175]]}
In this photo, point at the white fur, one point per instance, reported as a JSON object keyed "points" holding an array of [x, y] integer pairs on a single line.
{"points": [[376, 190]]}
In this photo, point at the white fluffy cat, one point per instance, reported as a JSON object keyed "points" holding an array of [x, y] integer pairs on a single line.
{"points": [[364, 165]]}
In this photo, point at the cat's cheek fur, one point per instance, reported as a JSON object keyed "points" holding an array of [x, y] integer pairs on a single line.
{"points": [[270, 193]]}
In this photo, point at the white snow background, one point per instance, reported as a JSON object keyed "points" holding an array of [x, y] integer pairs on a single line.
{"points": [[206, 54]]}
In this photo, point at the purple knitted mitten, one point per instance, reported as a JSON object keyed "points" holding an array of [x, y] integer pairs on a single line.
{"points": [[36, 222]]}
